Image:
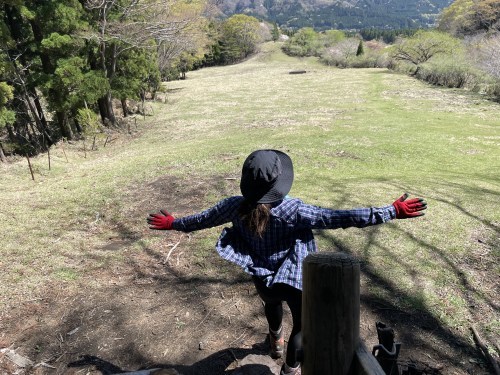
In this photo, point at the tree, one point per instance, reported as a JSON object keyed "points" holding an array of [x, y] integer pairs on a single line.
{"points": [[275, 33], [465, 17], [137, 73], [53, 25], [331, 37], [125, 24], [360, 51], [489, 55], [18, 57], [341, 53], [304, 42], [240, 35], [7, 116], [423, 46]]}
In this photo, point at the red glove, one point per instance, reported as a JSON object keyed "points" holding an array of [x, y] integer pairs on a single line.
{"points": [[160, 221], [409, 208]]}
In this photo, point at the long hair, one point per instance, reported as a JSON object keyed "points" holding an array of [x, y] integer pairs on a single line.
{"points": [[255, 216]]}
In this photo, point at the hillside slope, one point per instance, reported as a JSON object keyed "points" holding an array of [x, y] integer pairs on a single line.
{"points": [[336, 14], [87, 288]]}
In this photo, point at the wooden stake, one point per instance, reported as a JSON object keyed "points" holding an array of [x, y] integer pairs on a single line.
{"points": [[48, 155], [31, 169], [64, 152]]}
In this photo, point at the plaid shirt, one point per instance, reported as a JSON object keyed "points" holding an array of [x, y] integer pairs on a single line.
{"points": [[277, 256]]}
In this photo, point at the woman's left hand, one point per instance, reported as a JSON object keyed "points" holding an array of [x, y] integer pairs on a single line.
{"points": [[161, 221]]}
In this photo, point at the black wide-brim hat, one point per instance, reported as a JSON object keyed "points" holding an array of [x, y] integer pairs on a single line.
{"points": [[266, 176]]}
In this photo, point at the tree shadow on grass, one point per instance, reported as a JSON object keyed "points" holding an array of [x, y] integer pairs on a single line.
{"points": [[417, 327]]}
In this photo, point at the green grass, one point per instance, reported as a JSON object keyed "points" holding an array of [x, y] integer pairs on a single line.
{"points": [[357, 138]]}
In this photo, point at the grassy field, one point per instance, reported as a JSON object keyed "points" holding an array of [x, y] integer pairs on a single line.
{"points": [[357, 138]]}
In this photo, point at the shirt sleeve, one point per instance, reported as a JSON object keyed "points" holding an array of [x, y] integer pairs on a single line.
{"points": [[314, 217], [223, 212]]}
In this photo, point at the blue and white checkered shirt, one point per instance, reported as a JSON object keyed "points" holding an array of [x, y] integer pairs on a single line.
{"points": [[277, 256]]}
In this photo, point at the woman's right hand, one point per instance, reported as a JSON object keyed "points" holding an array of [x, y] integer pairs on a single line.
{"points": [[409, 208]]}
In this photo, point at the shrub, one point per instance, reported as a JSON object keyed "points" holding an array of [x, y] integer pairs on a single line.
{"points": [[370, 59], [344, 55], [304, 42], [448, 71]]}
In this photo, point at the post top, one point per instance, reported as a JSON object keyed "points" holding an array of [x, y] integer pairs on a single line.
{"points": [[332, 257]]}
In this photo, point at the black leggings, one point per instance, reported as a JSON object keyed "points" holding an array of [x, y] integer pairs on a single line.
{"points": [[273, 307]]}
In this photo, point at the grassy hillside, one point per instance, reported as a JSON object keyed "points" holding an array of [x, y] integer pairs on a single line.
{"points": [[357, 138]]}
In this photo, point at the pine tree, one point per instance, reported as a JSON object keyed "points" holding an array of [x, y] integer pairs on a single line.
{"points": [[360, 50]]}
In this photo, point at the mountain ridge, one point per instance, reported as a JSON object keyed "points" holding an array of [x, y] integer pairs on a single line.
{"points": [[340, 14]]}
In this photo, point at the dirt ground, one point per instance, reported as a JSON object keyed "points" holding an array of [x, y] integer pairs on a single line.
{"points": [[164, 306]]}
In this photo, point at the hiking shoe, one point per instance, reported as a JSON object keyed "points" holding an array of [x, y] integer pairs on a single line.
{"points": [[287, 370], [277, 343]]}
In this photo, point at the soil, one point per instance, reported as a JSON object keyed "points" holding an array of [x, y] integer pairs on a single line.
{"points": [[198, 315]]}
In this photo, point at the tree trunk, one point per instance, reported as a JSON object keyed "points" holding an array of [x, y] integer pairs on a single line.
{"points": [[2, 154], [111, 112], [43, 121], [62, 120], [78, 127], [106, 109], [106, 102], [124, 107], [12, 136]]}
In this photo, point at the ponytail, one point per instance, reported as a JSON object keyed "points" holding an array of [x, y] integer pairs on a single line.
{"points": [[255, 216]]}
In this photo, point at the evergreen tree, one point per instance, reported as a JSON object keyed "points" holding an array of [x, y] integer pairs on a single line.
{"points": [[360, 50], [275, 33]]}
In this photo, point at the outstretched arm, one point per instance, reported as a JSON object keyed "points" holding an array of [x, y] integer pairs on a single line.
{"points": [[222, 212], [322, 218]]}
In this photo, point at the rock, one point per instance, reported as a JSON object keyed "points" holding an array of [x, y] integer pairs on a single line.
{"points": [[18, 359]]}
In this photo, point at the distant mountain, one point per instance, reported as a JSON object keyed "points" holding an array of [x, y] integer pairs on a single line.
{"points": [[343, 15]]}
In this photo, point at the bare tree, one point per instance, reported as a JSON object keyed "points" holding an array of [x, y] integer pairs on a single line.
{"points": [[488, 56]]}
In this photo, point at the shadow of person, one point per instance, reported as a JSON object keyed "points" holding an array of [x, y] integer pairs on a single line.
{"points": [[232, 361], [105, 367]]}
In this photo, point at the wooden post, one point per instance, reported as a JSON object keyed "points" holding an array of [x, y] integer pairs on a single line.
{"points": [[31, 169], [330, 313]]}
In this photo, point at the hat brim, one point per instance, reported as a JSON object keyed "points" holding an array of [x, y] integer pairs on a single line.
{"points": [[283, 183]]}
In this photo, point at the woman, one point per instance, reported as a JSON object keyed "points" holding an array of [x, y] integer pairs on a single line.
{"points": [[271, 234]]}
